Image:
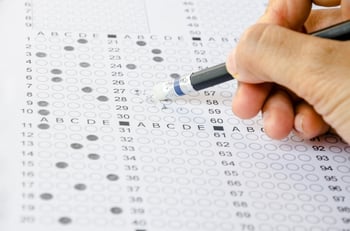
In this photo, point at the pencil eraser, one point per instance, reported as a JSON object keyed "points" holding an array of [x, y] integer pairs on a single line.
{"points": [[160, 91]]}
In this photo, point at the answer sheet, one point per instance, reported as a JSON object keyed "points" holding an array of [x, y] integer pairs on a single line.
{"points": [[85, 147]]}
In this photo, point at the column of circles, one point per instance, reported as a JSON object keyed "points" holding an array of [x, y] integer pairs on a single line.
{"points": [[70, 176], [83, 69], [76, 166]]}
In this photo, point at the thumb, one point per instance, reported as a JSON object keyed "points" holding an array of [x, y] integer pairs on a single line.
{"points": [[315, 69]]}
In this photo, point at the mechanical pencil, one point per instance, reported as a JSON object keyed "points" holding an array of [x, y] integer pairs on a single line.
{"points": [[218, 74]]}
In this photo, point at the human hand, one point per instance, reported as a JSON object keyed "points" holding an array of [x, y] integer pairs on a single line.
{"points": [[297, 80]]}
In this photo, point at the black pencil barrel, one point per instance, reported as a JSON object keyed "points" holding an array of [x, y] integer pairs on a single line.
{"points": [[210, 76]]}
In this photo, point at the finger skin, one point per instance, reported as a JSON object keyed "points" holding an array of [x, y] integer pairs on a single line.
{"points": [[293, 14], [327, 2], [322, 18], [315, 69], [278, 115], [270, 57], [297, 15], [249, 99], [345, 9], [307, 122], [289, 14]]}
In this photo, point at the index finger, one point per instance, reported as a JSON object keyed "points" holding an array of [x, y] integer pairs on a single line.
{"points": [[293, 14], [290, 14]]}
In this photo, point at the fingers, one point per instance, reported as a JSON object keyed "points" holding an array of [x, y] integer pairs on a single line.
{"points": [[305, 64], [320, 19], [245, 73], [278, 115], [290, 14], [327, 2], [345, 9], [270, 57], [308, 123], [264, 49], [249, 99], [315, 69], [279, 112], [293, 14], [277, 107]]}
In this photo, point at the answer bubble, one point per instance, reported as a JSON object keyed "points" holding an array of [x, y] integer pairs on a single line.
{"points": [[102, 98], [92, 137], [156, 51], [339, 159], [112, 177], [304, 158], [44, 112], [76, 146], [46, 196], [41, 54], [335, 149], [61, 165], [68, 48], [80, 187], [43, 103], [87, 89], [116, 210], [131, 66], [65, 220], [82, 41], [43, 126], [141, 43], [56, 79], [84, 64], [158, 59], [56, 71]]}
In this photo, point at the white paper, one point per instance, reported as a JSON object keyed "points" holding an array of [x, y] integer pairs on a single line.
{"points": [[85, 147]]}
